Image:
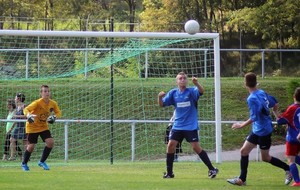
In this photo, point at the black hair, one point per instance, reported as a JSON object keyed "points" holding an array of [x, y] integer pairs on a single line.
{"points": [[21, 96]]}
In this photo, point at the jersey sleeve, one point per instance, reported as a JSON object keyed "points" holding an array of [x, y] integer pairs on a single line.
{"points": [[29, 109], [254, 110], [168, 99], [56, 110], [272, 101]]}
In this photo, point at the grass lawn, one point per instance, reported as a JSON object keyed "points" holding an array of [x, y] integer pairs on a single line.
{"points": [[137, 175]]}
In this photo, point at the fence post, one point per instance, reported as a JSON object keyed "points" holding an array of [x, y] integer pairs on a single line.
{"points": [[27, 64], [66, 142], [132, 141], [263, 64]]}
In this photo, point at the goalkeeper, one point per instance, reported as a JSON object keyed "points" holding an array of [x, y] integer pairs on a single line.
{"points": [[39, 113]]}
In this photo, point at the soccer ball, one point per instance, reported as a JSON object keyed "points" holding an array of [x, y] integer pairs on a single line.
{"points": [[191, 27]]}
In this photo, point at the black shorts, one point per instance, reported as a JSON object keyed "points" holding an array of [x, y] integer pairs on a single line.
{"points": [[189, 136], [33, 137], [264, 142]]}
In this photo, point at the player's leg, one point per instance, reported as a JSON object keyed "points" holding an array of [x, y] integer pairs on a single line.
{"points": [[247, 147], [49, 141], [294, 170], [291, 152], [6, 147], [193, 138], [174, 137], [19, 150], [170, 158], [265, 144], [177, 151], [32, 140], [13, 146]]}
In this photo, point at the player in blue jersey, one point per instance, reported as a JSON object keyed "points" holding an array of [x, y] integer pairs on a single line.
{"points": [[185, 126], [259, 103], [291, 117]]}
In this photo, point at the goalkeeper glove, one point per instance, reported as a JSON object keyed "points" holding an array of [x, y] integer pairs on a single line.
{"points": [[30, 118], [51, 119]]}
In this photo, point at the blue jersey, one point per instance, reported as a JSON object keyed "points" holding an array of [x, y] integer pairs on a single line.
{"points": [[259, 104], [291, 117], [185, 103], [272, 101]]}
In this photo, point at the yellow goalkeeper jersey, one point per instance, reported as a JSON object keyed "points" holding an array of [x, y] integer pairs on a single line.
{"points": [[42, 110]]}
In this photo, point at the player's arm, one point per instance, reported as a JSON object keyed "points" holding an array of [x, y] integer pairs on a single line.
{"points": [[54, 113], [160, 97], [241, 125], [12, 127], [273, 104], [28, 112], [197, 84], [57, 111]]}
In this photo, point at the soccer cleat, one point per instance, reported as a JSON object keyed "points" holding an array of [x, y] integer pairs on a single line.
{"points": [[236, 181], [166, 175], [296, 184], [25, 167], [288, 177], [44, 165], [213, 173]]}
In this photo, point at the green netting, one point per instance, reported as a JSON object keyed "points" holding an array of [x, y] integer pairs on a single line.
{"points": [[104, 80]]}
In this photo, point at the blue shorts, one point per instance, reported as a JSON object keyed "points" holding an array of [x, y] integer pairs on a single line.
{"points": [[264, 142], [18, 133], [33, 137], [179, 135]]}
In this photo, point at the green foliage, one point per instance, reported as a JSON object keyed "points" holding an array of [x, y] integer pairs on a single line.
{"points": [[291, 87]]}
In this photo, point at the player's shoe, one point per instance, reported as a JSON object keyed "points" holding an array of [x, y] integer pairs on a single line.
{"points": [[236, 181], [296, 184], [166, 175], [25, 167], [213, 173], [288, 177], [44, 165]]}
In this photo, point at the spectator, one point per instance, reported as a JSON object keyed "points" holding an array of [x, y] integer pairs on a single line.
{"points": [[11, 106], [18, 132]]}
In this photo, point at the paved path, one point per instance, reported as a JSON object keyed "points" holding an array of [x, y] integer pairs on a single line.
{"points": [[234, 155]]}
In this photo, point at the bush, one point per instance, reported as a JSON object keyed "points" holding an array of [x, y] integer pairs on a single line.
{"points": [[292, 85]]}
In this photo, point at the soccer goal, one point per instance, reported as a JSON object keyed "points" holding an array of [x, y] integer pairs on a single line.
{"points": [[106, 84]]}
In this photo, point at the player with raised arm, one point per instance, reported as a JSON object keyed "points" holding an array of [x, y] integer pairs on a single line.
{"points": [[39, 113], [185, 126], [259, 103]]}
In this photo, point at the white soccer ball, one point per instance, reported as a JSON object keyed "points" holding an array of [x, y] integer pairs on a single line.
{"points": [[192, 27]]}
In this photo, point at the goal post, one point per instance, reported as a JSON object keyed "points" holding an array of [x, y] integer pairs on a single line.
{"points": [[110, 80]]}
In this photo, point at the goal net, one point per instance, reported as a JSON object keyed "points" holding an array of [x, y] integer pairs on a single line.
{"points": [[106, 84]]}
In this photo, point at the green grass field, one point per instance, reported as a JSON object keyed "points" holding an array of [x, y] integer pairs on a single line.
{"points": [[137, 175]]}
